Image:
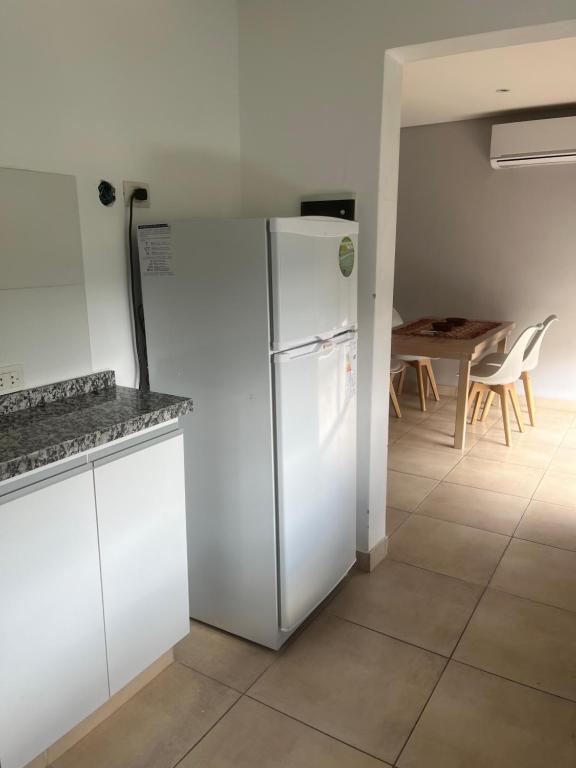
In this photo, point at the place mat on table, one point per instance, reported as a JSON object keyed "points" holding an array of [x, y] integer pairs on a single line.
{"points": [[469, 330]]}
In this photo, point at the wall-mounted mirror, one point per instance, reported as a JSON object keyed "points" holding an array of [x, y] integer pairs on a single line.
{"points": [[43, 316]]}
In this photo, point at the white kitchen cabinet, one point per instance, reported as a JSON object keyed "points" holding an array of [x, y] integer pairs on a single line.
{"points": [[142, 532], [52, 648]]}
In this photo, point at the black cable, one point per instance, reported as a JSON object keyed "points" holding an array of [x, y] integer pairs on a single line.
{"points": [[137, 305]]}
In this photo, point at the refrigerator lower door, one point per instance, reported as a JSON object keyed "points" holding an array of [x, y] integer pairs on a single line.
{"points": [[315, 389]]}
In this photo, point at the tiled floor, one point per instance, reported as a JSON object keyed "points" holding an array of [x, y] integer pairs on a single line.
{"points": [[458, 651]]}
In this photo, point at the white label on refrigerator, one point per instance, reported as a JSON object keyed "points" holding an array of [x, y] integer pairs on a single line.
{"points": [[155, 247]]}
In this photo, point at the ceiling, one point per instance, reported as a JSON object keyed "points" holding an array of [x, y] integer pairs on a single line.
{"points": [[464, 86]]}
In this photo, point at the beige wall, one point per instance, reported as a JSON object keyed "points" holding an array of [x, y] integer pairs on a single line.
{"points": [[311, 84], [143, 90], [478, 242]]}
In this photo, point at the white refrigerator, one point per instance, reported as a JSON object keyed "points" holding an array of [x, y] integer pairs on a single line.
{"points": [[255, 319]]}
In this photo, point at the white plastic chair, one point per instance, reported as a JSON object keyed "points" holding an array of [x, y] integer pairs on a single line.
{"points": [[423, 365], [531, 357], [500, 379]]}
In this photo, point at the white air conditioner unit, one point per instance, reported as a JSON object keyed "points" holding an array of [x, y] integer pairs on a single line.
{"points": [[535, 142]]}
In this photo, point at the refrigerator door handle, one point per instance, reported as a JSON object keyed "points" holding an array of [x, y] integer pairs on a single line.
{"points": [[305, 351]]}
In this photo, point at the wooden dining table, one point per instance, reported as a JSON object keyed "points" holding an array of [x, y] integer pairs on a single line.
{"points": [[466, 343]]}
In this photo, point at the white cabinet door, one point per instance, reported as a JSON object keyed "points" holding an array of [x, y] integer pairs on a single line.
{"points": [[316, 449], [142, 530], [52, 649]]}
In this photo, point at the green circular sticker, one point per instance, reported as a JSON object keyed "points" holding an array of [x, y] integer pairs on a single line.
{"points": [[346, 256]]}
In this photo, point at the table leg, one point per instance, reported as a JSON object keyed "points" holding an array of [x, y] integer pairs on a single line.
{"points": [[462, 405], [502, 344]]}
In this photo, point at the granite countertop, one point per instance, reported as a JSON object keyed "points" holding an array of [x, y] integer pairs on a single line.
{"points": [[46, 424]]}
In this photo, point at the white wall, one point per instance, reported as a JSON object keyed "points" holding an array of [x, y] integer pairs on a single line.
{"points": [[143, 90], [482, 243], [311, 83]]}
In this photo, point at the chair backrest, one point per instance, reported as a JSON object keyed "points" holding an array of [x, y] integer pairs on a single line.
{"points": [[511, 368], [396, 319], [533, 350]]}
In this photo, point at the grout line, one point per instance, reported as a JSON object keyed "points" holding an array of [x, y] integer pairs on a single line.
{"points": [[451, 657], [515, 682], [466, 525], [192, 748], [486, 587], [403, 747], [531, 600], [505, 493], [440, 573], [205, 674], [474, 611], [542, 544], [315, 728], [393, 637]]}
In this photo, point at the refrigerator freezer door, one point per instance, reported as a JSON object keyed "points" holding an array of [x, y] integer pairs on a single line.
{"points": [[315, 390], [314, 275]]}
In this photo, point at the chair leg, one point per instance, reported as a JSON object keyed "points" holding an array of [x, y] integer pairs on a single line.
{"points": [[401, 381], [395, 403], [487, 405], [432, 378], [516, 407], [472, 394], [505, 414], [421, 390], [477, 406], [529, 398]]}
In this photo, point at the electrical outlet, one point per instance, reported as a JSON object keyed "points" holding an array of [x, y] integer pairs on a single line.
{"points": [[11, 378], [129, 186]]}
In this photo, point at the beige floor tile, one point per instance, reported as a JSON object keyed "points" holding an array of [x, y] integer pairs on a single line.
{"points": [[454, 550], [410, 407], [488, 510], [445, 419], [569, 440], [351, 683], [252, 735], [394, 519], [524, 641], [405, 492], [549, 524], [527, 453], [397, 428], [410, 403], [557, 488], [157, 727], [496, 476], [227, 658], [564, 460], [550, 418], [420, 607], [541, 435], [434, 433], [538, 572], [477, 720], [421, 461]]}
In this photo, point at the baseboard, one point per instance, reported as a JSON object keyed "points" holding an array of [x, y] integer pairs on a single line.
{"points": [[546, 403], [367, 561], [92, 721]]}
